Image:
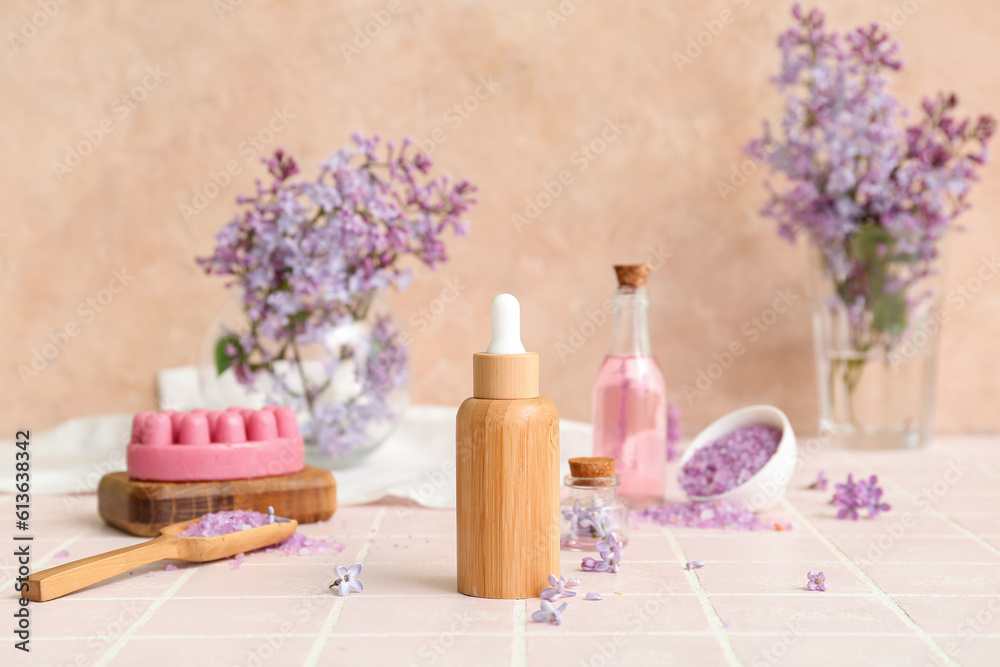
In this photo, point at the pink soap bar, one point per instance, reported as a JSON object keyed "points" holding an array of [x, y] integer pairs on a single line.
{"points": [[206, 446]]}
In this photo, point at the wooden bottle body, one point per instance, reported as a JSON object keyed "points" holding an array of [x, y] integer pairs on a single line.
{"points": [[507, 477]]}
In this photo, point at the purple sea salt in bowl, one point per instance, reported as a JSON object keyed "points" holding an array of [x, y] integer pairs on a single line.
{"points": [[750, 463]]}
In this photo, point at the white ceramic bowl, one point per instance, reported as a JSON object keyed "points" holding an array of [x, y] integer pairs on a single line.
{"points": [[767, 487]]}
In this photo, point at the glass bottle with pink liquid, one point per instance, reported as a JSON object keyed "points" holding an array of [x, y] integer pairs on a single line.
{"points": [[630, 397]]}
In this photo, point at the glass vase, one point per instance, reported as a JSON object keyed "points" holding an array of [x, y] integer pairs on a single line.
{"points": [[350, 387], [876, 382]]}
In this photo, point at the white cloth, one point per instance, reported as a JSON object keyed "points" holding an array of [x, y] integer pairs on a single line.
{"points": [[416, 463]]}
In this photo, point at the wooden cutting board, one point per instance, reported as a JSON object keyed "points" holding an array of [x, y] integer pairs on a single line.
{"points": [[142, 508]]}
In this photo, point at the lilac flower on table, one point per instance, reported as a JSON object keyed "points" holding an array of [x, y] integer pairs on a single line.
{"points": [[347, 581], [588, 564], [821, 482], [864, 495], [594, 596], [611, 554], [557, 589], [817, 581], [694, 565], [549, 613]]}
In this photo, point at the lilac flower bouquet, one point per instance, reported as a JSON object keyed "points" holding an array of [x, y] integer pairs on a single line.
{"points": [[309, 259], [873, 196]]}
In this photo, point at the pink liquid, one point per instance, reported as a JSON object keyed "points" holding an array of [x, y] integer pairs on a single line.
{"points": [[630, 425]]}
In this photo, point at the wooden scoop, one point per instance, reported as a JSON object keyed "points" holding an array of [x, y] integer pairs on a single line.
{"points": [[58, 581]]}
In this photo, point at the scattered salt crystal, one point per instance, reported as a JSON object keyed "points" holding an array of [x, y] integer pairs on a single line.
{"points": [[723, 514], [729, 461], [61, 554], [222, 523]]}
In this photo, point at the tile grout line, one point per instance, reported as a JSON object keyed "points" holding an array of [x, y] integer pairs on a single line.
{"points": [[566, 633], [935, 511], [519, 644], [803, 593], [724, 640], [880, 594], [338, 606], [117, 647]]}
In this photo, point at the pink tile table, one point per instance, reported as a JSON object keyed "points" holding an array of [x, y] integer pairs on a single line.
{"points": [[918, 586]]}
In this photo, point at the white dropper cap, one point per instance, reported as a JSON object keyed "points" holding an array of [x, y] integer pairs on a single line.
{"points": [[505, 336]]}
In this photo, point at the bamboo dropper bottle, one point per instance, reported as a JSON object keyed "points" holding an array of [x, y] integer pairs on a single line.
{"points": [[507, 470]]}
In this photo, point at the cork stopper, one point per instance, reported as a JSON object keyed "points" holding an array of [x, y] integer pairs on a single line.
{"points": [[592, 466], [632, 275]]}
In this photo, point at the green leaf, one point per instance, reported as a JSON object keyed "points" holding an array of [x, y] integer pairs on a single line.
{"points": [[222, 358], [889, 313], [866, 242]]}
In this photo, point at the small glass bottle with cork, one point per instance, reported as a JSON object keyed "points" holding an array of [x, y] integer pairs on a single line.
{"points": [[592, 509]]}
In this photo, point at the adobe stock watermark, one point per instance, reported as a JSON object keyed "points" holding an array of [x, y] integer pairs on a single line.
{"points": [[581, 158], [880, 546], [434, 480], [249, 149], [703, 39], [580, 333], [31, 25], [86, 312], [424, 316], [364, 34], [900, 13], [606, 652], [563, 11], [101, 641], [968, 629], [122, 107], [224, 8], [270, 646], [776, 652], [458, 113], [925, 332], [434, 649], [752, 329]]}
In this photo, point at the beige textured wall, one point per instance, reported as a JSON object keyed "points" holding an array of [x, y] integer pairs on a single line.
{"points": [[220, 75]]}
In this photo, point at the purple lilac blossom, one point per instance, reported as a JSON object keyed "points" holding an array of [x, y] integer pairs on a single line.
{"points": [[729, 461], [589, 522], [594, 596], [549, 613], [873, 196], [817, 581], [611, 555], [309, 256], [695, 565], [588, 564], [707, 514], [821, 482], [347, 580], [864, 495], [557, 589]]}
